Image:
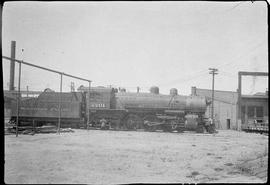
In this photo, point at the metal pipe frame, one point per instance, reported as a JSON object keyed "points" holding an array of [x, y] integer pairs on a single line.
{"points": [[60, 97], [18, 100], [44, 68], [59, 104]]}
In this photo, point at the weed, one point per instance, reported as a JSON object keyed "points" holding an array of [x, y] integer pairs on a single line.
{"points": [[195, 173], [218, 169]]}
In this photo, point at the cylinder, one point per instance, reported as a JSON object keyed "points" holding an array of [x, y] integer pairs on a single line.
{"points": [[154, 90], [173, 92], [191, 122], [12, 66]]}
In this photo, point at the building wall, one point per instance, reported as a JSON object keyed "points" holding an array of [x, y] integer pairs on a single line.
{"points": [[252, 102], [223, 113], [224, 107]]}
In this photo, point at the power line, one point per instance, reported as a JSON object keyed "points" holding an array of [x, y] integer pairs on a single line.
{"points": [[242, 55], [184, 80], [234, 6], [226, 73], [220, 100], [201, 72]]}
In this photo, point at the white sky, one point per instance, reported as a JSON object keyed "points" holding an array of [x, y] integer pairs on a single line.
{"points": [[130, 44]]}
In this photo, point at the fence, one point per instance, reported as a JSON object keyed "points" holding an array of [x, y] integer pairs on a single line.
{"points": [[21, 94]]}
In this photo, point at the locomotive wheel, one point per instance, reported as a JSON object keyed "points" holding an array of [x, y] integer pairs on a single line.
{"points": [[211, 129], [180, 129], [133, 122], [200, 129], [171, 127], [167, 128], [150, 118]]}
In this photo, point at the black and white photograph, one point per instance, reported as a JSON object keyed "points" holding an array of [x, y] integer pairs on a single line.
{"points": [[128, 92]]}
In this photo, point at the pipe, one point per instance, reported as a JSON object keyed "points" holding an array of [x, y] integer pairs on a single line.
{"points": [[60, 102], [33, 65], [12, 66], [18, 100]]}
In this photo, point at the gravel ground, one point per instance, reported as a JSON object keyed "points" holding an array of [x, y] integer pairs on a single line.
{"points": [[115, 157]]}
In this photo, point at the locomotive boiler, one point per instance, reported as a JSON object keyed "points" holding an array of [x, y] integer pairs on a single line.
{"points": [[153, 111]]}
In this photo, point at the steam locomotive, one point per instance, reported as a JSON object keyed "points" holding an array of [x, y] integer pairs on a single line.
{"points": [[110, 108]]}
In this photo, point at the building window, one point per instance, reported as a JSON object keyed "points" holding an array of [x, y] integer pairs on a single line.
{"points": [[243, 110], [259, 112], [255, 111], [251, 111]]}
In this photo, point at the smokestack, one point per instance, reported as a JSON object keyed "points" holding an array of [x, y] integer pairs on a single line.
{"points": [[154, 90], [12, 66], [193, 91], [173, 92], [138, 89]]}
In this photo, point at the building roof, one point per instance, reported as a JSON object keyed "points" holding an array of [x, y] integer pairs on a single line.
{"points": [[255, 96], [260, 94], [229, 97], [99, 89]]}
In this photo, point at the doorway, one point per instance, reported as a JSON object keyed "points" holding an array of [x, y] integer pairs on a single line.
{"points": [[228, 123]]}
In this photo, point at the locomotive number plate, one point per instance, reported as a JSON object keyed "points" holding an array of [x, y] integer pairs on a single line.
{"points": [[99, 105]]}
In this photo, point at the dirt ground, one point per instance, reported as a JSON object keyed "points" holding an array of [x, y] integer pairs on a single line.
{"points": [[115, 157]]}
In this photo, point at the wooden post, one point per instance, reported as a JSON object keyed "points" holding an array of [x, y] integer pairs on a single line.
{"points": [[245, 121], [88, 107], [239, 101], [213, 71], [34, 126], [12, 65]]}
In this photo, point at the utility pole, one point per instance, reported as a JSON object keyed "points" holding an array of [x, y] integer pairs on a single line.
{"points": [[27, 91], [213, 71]]}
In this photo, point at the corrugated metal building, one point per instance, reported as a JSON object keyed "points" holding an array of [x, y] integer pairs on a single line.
{"points": [[254, 107], [225, 107]]}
